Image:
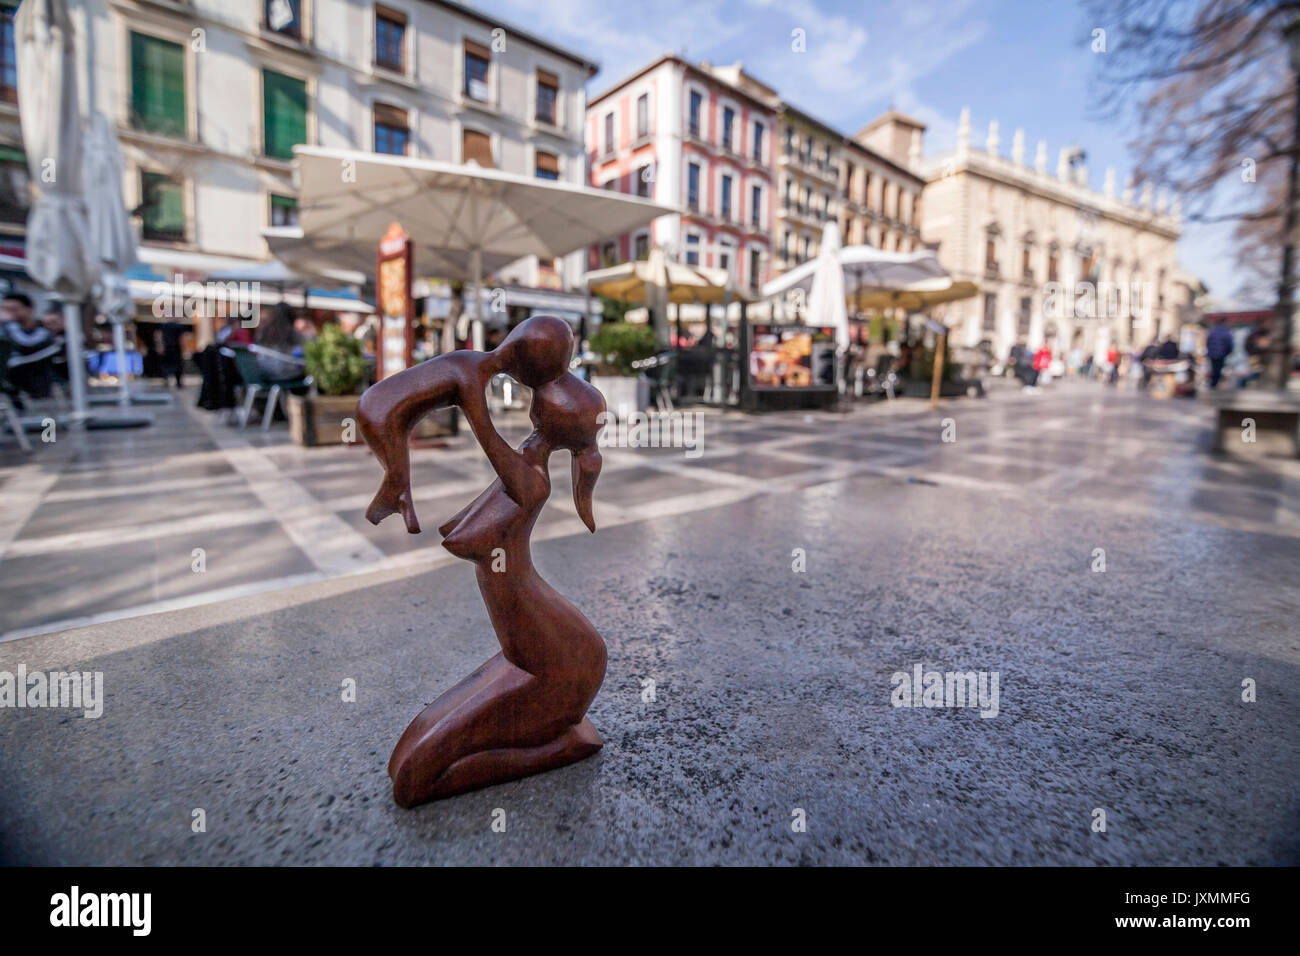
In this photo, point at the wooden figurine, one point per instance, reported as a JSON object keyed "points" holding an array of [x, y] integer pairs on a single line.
{"points": [[523, 711]]}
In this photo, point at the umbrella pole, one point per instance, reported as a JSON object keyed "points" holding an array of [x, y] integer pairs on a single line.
{"points": [[76, 359], [123, 376], [936, 378], [476, 327]]}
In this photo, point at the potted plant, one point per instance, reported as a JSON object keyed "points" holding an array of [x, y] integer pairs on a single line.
{"points": [[618, 345], [327, 416]]}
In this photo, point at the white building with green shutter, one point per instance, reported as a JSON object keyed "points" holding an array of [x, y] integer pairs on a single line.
{"points": [[210, 96]]}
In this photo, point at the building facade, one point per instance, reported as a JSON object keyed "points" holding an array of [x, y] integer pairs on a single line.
{"points": [[209, 98], [808, 171], [699, 138], [1055, 260], [880, 186]]}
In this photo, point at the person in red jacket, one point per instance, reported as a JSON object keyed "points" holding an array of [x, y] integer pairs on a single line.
{"points": [[1043, 363]]}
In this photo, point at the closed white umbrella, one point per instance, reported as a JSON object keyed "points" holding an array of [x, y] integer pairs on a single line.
{"points": [[464, 221], [110, 237], [58, 256], [826, 298]]}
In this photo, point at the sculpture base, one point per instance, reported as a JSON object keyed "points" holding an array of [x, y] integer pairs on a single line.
{"points": [[499, 766]]}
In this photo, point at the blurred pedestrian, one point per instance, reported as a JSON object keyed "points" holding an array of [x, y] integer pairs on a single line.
{"points": [[1043, 363], [173, 360], [1218, 346]]}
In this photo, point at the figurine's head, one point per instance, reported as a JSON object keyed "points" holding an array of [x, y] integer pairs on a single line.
{"points": [[568, 413], [537, 350]]}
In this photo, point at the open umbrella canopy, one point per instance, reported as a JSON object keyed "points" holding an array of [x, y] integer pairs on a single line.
{"points": [[919, 295], [636, 281], [338, 253], [277, 272], [464, 220], [826, 298], [864, 267]]}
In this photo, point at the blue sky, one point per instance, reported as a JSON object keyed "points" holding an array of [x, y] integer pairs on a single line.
{"points": [[1025, 63]]}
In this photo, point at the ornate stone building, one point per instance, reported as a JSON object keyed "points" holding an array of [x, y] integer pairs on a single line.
{"points": [[1054, 259]]}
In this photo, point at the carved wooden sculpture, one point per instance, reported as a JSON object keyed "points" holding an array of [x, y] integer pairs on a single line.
{"points": [[524, 710]]}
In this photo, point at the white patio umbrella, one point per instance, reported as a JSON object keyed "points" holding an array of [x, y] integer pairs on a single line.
{"points": [[58, 255], [865, 268], [826, 298], [631, 281], [655, 281], [464, 221], [110, 237]]}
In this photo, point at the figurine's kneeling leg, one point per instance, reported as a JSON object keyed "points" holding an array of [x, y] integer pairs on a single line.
{"points": [[499, 724]]}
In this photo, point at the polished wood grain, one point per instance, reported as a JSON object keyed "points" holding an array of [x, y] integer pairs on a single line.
{"points": [[524, 710]]}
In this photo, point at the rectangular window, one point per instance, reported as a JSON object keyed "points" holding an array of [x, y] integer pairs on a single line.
{"points": [[284, 114], [692, 250], [726, 198], [284, 210], [848, 180], [548, 97], [284, 16], [547, 166], [15, 200], [163, 213], [693, 187], [1022, 318], [609, 134], [642, 247], [392, 130], [1053, 266], [1027, 263], [788, 146], [8, 57], [476, 147], [991, 254], [157, 86], [728, 125], [758, 142], [756, 206], [990, 312], [755, 275], [724, 259], [866, 188], [609, 254], [697, 103], [477, 59], [390, 39], [643, 179], [643, 116]]}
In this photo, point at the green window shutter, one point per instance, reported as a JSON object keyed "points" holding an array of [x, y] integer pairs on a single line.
{"points": [[284, 113], [164, 213], [157, 85]]}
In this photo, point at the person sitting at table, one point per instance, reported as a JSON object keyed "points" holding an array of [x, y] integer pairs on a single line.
{"points": [[53, 320], [274, 345], [33, 345]]}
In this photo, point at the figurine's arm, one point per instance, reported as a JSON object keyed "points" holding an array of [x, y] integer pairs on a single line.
{"points": [[520, 480], [387, 412]]}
